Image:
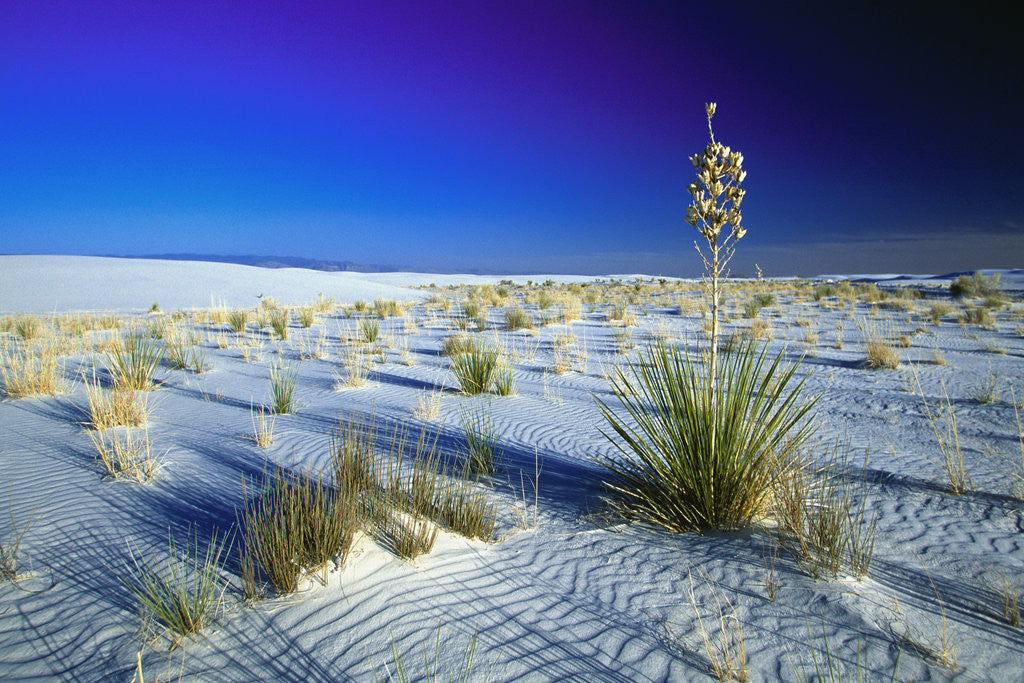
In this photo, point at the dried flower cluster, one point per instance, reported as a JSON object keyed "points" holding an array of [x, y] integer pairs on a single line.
{"points": [[717, 192]]}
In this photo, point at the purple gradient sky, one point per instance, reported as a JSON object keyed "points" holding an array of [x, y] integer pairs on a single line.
{"points": [[512, 136]]}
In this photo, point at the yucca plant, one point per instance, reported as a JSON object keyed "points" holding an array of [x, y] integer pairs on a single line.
{"points": [[279, 321], [474, 369], [696, 458], [133, 362], [369, 328], [282, 389], [238, 319]]}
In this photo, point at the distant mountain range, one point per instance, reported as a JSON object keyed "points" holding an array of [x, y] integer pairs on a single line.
{"points": [[299, 262]]}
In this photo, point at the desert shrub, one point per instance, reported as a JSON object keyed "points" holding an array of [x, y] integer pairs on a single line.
{"points": [[517, 319], [977, 315], [474, 369], [183, 595], [282, 388], [938, 310], [976, 285], [470, 309], [694, 458], [133, 362]]}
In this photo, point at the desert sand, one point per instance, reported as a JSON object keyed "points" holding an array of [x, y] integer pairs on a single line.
{"points": [[564, 591]]}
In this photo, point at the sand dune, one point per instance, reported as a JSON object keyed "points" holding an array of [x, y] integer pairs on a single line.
{"points": [[579, 597]]}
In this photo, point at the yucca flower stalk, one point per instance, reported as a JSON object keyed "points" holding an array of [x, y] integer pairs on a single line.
{"points": [[717, 194]]}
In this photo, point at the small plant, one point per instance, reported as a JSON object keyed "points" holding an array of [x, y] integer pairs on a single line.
{"points": [[237, 320], [279, 322], [10, 550], [504, 382], [942, 420], [184, 595], [474, 369], [295, 526], [976, 285], [724, 646], [355, 368], [282, 388], [29, 372], [126, 456], [480, 440], [880, 349], [820, 524], [465, 673], [133, 363], [985, 393], [1010, 597], [517, 319], [369, 328], [262, 429], [428, 406]]}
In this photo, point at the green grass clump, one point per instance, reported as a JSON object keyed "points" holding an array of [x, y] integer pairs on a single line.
{"points": [[133, 362], [279, 322], [481, 440], [696, 458], [237, 320], [474, 368], [282, 389], [296, 525], [369, 328], [183, 595]]}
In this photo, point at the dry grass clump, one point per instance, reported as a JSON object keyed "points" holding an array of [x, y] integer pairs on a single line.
{"points": [[355, 369], [126, 456], [262, 429], [31, 370], [880, 350], [821, 524], [389, 308], [278, 320], [114, 408], [517, 319], [28, 327], [942, 419], [428, 406]]}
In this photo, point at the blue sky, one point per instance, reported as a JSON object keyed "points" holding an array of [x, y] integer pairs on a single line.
{"points": [[510, 136]]}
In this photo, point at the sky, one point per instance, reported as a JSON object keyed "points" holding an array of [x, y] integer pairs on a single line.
{"points": [[512, 136]]}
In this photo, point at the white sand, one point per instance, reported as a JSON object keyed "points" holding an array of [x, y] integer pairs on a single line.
{"points": [[572, 599]]}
